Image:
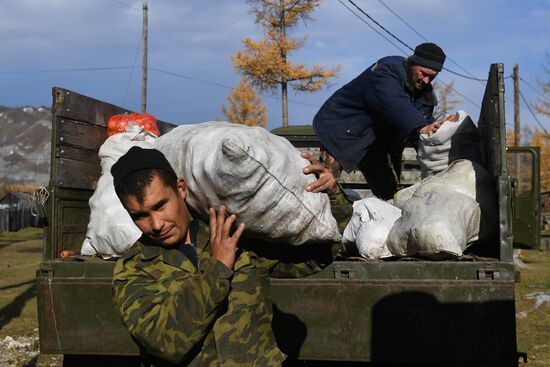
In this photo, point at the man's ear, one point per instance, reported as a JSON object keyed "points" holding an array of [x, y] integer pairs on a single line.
{"points": [[182, 189]]}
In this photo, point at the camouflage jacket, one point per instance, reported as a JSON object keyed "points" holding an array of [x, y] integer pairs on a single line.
{"points": [[210, 316]]}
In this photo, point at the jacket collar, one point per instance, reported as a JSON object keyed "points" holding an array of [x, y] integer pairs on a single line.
{"points": [[171, 256]]}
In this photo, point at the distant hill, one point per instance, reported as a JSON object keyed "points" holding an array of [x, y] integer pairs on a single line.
{"points": [[25, 146]]}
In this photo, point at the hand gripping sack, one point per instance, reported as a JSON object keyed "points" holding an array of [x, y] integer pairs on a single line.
{"points": [[255, 174], [445, 213], [111, 231], [452, 141]]}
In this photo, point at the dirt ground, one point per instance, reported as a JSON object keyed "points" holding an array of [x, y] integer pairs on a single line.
{"points": [[21, 252], [20, 255]]}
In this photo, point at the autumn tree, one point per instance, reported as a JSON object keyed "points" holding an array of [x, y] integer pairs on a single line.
{"points": [[542, 105], [542, 140], [245, 107], [446, 97], [267, 63]]}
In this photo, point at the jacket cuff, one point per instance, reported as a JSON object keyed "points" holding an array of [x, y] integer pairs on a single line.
{"points": [[219, 276]]}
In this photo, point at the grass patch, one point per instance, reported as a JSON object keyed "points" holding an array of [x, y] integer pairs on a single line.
{"points": [[533, 326], [17, 291]]}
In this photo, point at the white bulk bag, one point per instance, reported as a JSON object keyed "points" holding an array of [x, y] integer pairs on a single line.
{"points": [[111, 231], [445, 213], [369, 227], [452, 141], [255, 174]]}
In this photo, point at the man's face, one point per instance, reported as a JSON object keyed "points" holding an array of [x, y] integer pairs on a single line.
{"points": [[163, 216], [422, 76]]}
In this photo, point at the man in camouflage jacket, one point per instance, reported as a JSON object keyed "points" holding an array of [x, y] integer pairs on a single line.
{"points": [[192, 304]]}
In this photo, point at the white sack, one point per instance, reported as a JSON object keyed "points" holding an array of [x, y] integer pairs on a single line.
{"points": [[111, 231], [452, 141], [369, 227], [255, 174], [445, 213]]}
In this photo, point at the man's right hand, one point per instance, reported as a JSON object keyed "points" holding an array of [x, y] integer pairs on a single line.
{"points": [[325, 181], [223, 245], [434, 126]]}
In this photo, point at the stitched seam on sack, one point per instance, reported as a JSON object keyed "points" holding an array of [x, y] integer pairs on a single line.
{"points": [[280, 183]]}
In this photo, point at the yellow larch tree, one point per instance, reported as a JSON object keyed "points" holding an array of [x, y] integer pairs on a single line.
{"points": [[245, 107], [542, 105], [267, 63], [542, 140]]}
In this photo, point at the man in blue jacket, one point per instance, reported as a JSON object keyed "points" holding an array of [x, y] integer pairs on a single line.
{"points": [[366, 123]]}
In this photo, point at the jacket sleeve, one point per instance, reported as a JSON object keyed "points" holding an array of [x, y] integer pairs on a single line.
{"points": [[169, 317], [386, 96]]}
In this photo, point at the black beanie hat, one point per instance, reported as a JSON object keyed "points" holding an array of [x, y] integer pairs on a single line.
{"points": [[137, 159], [428, 55]]}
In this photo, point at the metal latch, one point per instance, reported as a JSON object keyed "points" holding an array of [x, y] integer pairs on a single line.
{"points": [[488, 274], [46, 270], [344, 273]]}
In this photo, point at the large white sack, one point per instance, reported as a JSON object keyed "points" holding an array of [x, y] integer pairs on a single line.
{"points": [[452, 141], [255, 174], [111, 231], [369, 227], [446, 213]]}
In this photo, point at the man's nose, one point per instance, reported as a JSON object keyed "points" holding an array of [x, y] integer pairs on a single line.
{"points": [[156, 223], [426, 80]]}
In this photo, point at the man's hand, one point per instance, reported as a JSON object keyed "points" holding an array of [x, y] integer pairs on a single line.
{"points": [[223, 245], [434, 126], [325, 179]]}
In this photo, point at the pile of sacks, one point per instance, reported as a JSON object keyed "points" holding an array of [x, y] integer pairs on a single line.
{"points": [[255, 174], [439, 217]]}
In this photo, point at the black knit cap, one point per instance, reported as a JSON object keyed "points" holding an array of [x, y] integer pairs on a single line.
{"points": [[428, 55], [137, 159]]}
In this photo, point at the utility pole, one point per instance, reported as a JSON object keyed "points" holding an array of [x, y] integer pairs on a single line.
{"points": [[144, 61], [517, 126]]}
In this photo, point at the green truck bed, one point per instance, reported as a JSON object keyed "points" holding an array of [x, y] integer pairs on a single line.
{"points": [[413, 312]]}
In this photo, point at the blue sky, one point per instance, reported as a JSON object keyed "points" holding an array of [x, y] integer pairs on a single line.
{"points": [[195, 39]]}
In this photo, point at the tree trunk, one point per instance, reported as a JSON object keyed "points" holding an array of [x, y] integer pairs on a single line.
{"points": [[285, 103]]}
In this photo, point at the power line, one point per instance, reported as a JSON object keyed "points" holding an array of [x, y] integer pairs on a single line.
{"points": [[406, 45], [460, 94], [534, 90], [220, 85], [131, 72], [351, 10], [425, 39], [371, 27], [125, 5], [380, 25], [533, 113], [66, 70]]}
